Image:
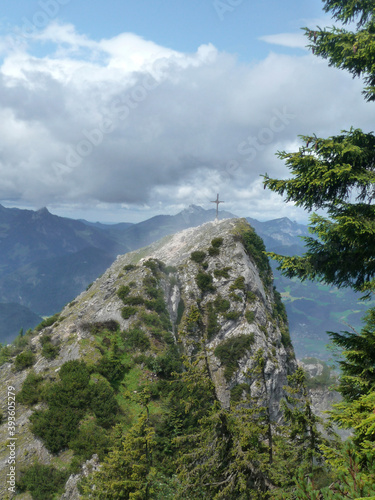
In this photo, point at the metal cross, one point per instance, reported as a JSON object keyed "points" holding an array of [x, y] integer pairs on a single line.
{"points": [[217, 205]]}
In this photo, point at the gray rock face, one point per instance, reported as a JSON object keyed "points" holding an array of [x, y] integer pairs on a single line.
{"points": [[237, 307]]}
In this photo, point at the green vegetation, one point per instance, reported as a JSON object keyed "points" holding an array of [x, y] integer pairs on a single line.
{"points": [[129, 267], [123, 292], [213, 326], [250, 316], [238, 284], [217, 242], [68, 401], [47, 322], [205, 282], [237, 392], [221, 305], [24, 360], [42, 481], [336, 174], [128, 311], [222, 273], [232, 315], [136, 338], [213, 251], [49, 349], [198, 256], [231, 351], [30, 394]]}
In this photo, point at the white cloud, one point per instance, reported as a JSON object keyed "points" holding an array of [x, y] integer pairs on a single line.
{"points": [[125, 121], [293, 40]]}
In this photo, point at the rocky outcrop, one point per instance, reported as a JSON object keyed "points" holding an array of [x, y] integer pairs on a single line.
{"points": [[218, 290]]}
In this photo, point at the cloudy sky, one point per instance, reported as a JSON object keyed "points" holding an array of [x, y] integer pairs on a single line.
{"points": [[118, 111]]}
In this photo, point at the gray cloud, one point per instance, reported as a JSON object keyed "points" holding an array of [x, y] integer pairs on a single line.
{"points": [[137, 124]]}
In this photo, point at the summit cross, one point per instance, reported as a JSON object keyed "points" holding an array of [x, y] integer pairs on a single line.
{"points": [[217, 201]]}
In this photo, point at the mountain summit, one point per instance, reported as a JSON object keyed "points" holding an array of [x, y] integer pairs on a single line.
{"points": [[203, 293]]}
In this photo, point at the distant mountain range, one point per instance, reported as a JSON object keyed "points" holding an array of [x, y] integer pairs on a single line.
{"points": [[46, 261]]}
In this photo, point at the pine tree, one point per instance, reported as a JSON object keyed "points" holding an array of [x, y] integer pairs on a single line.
{"points": [[337, 174]]}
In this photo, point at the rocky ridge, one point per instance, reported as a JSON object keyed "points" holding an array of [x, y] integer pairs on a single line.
{"points": [[218, 292]]}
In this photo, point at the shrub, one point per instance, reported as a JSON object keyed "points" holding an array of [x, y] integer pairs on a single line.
{"points": [[221, 305], [47, 322], [103, 403], [217, 242], [237, 391], [68, 401], [255, 248], [222, 273], [251, 297], [250, 316], [239, 284], [133, 301], [137, 339], [204, 282], [24, 360], [213, 251], [235, 297], [129, 267], [231, 351], [128, 311], [90, 439], [198, 256], [49, 350], [111, 368], [30, 394], [42, 481], [123, 292], [153, 265], [232, 315]]}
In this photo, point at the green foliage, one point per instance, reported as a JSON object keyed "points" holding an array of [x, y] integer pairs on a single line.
{"points": [[250, 316], [129, 267], [42, 481], [180, 311], [213, 251], [279, 308], [205, 282], [123, 292], [47, 322], [238, 284], [256, 250], [24, 360], [49, 350], [103, 403], [222, 273], [135, 338], [128, 311], [231, 351], [213, 326], [128, 471], [232, 315], [221, 305], [136, 300], [217, 242], [68, 401], [237, 391], [250, 296], [198, 256], [193, 319], [30, 394], [83, 444]]}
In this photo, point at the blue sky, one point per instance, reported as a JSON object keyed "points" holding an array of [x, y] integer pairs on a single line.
{"points": [[124, 110]]}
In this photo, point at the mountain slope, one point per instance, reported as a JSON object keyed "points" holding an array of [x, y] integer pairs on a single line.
{"points": [[206, 289]]}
